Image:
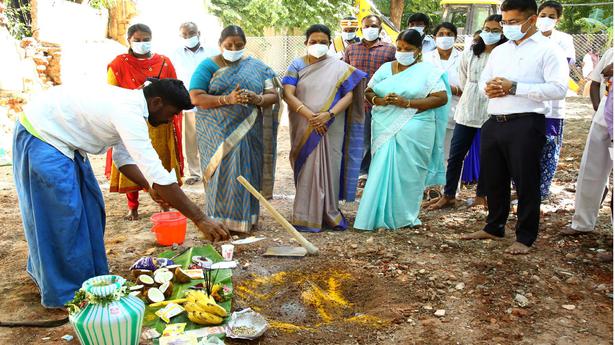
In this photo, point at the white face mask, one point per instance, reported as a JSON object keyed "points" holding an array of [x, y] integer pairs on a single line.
{"points": [[191, 42], [420, 29], [141, 48], [232, 55], [371, 34], [445, 43], [490, 37], [513, 32], [405, 58], [347, 36], [545, 24], [317, 50]]}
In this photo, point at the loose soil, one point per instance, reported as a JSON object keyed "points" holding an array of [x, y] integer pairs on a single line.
{"points": [[375, 287]]}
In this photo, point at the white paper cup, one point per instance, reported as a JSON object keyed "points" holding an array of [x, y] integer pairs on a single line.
{"points": [[227, 252]]}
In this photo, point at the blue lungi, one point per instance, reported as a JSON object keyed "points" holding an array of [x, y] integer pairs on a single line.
{"points": [[63, 215]]}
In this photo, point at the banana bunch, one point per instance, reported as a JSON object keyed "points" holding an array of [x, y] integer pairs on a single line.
{"points": [[203, 309]]}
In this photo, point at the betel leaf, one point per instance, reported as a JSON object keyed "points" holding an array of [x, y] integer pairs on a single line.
{"points": [[185, 259]]}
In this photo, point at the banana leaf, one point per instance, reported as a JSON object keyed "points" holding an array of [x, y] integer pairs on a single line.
{"points": [[223, 278]]}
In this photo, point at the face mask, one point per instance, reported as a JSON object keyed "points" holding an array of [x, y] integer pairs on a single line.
{"points": [[347, 36], [317, 50], [513, 32], [405, 58], [420, 29], [371, 34], [490, 37], [232, 55], [545, 24], [191, 42], [141, 48], [445, 43]]}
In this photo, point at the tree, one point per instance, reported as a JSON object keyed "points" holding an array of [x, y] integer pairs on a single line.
{"points": [[397, 11], [254, 16], [586, 19], [431, 8]]}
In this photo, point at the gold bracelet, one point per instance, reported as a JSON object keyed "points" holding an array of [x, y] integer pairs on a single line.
{"points": [[299, 108], [372, 101], [224, 100], [408, 104], [262, 100], [219, 100]]}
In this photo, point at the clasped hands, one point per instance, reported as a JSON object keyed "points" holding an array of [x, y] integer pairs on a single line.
{"points": [[498, 87], [243, 96], [392, 99], [318, 121]]}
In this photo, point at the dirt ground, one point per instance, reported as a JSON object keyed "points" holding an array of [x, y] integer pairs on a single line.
{"points": [[376, 288]]}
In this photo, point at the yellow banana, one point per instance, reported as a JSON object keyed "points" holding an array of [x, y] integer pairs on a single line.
{"points": [[212, 308], [208, 318], [191, 307]]}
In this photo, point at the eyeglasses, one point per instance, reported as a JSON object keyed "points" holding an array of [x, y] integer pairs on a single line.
{"points": [[497, 31], [514, 22]]}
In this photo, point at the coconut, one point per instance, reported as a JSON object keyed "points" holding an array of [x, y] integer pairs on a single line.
{"points": [[172, 268], [145, 280], [181, 276], [135, 293], [136, 288], [162, 276], [166, 289], [137, 273], [154, 295]]}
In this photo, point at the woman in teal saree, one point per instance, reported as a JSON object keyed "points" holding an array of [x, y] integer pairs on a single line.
{"points": [[409, 119], [236, 125]]}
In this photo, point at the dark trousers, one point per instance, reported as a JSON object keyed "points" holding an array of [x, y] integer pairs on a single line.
{"points": [[513, 149], [367, 140], [460, 145]]}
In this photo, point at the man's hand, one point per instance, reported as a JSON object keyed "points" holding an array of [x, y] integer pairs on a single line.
{"points": [[213, 231], [158, 199], [498, 87], [607, 72]]}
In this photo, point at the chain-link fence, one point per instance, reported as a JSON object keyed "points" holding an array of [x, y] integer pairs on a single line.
{"points": [[278, 51]]}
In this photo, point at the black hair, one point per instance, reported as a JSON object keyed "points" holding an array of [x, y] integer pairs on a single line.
{"points": [[479, 47], [232, 30], [138, 27], [189, 25], [554, 5], [446, 25], [528, 7], [172, 91], [372, 16], [317, 28], [477, 32], [411, 36], [420, 17], [349, 18]]}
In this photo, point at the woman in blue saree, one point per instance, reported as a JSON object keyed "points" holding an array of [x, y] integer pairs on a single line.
{"points": [[409, 118], [325, 101], [235, 95]]}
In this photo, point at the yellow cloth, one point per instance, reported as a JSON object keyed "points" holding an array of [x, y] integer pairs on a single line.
{"points": [[163, 142]]}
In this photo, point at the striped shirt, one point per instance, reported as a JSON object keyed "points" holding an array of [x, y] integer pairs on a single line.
{"points": [[369, 59]]}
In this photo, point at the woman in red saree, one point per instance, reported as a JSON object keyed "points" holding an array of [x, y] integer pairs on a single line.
{"points": [[130, 71]]}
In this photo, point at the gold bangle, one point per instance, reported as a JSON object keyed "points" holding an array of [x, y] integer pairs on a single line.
{"points": [[408, 104], [219, 100], [262, 100], [372, 101], [299, 108]]}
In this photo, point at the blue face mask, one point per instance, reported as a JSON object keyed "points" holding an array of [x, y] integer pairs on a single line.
{"points": [[232, 55], [490, 37], [141, 48], [405, 58], [513, 32]]}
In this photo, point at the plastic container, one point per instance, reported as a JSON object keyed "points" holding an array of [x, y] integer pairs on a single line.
{"points": [[169, 227], [117, 323]]}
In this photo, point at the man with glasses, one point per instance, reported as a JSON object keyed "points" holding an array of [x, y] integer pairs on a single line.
{"points": [[521, 78], [186, 59]]}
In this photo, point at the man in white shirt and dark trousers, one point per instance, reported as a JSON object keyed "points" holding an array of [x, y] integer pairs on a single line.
{"points": [[521, 77], [61, 204], [186, 60]]}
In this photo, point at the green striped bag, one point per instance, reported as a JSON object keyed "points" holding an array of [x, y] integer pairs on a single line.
{"points": [[115, 323]]}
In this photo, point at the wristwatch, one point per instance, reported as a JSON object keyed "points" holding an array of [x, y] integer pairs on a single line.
{"points": [[513, 88]]}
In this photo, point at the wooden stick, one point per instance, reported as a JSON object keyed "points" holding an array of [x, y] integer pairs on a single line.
{"points": [[311, 249]]}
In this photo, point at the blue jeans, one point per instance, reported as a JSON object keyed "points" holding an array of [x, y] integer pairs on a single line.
{"points": [[460, 145]]}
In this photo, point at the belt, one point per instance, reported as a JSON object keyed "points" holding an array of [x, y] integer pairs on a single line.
{"points": [[510, 117]]}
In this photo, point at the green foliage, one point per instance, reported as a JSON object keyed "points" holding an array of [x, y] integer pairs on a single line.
{"points": [[586, 19], [100, 4], [18, 18], [254, 16], [431, 8]]}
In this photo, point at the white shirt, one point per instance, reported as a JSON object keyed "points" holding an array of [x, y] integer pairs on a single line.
{"points": [[91, 119], [597, 76], [428, 44], [538, 67], [451, 67], [565, 42], [472, 107], [186, 61]]}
